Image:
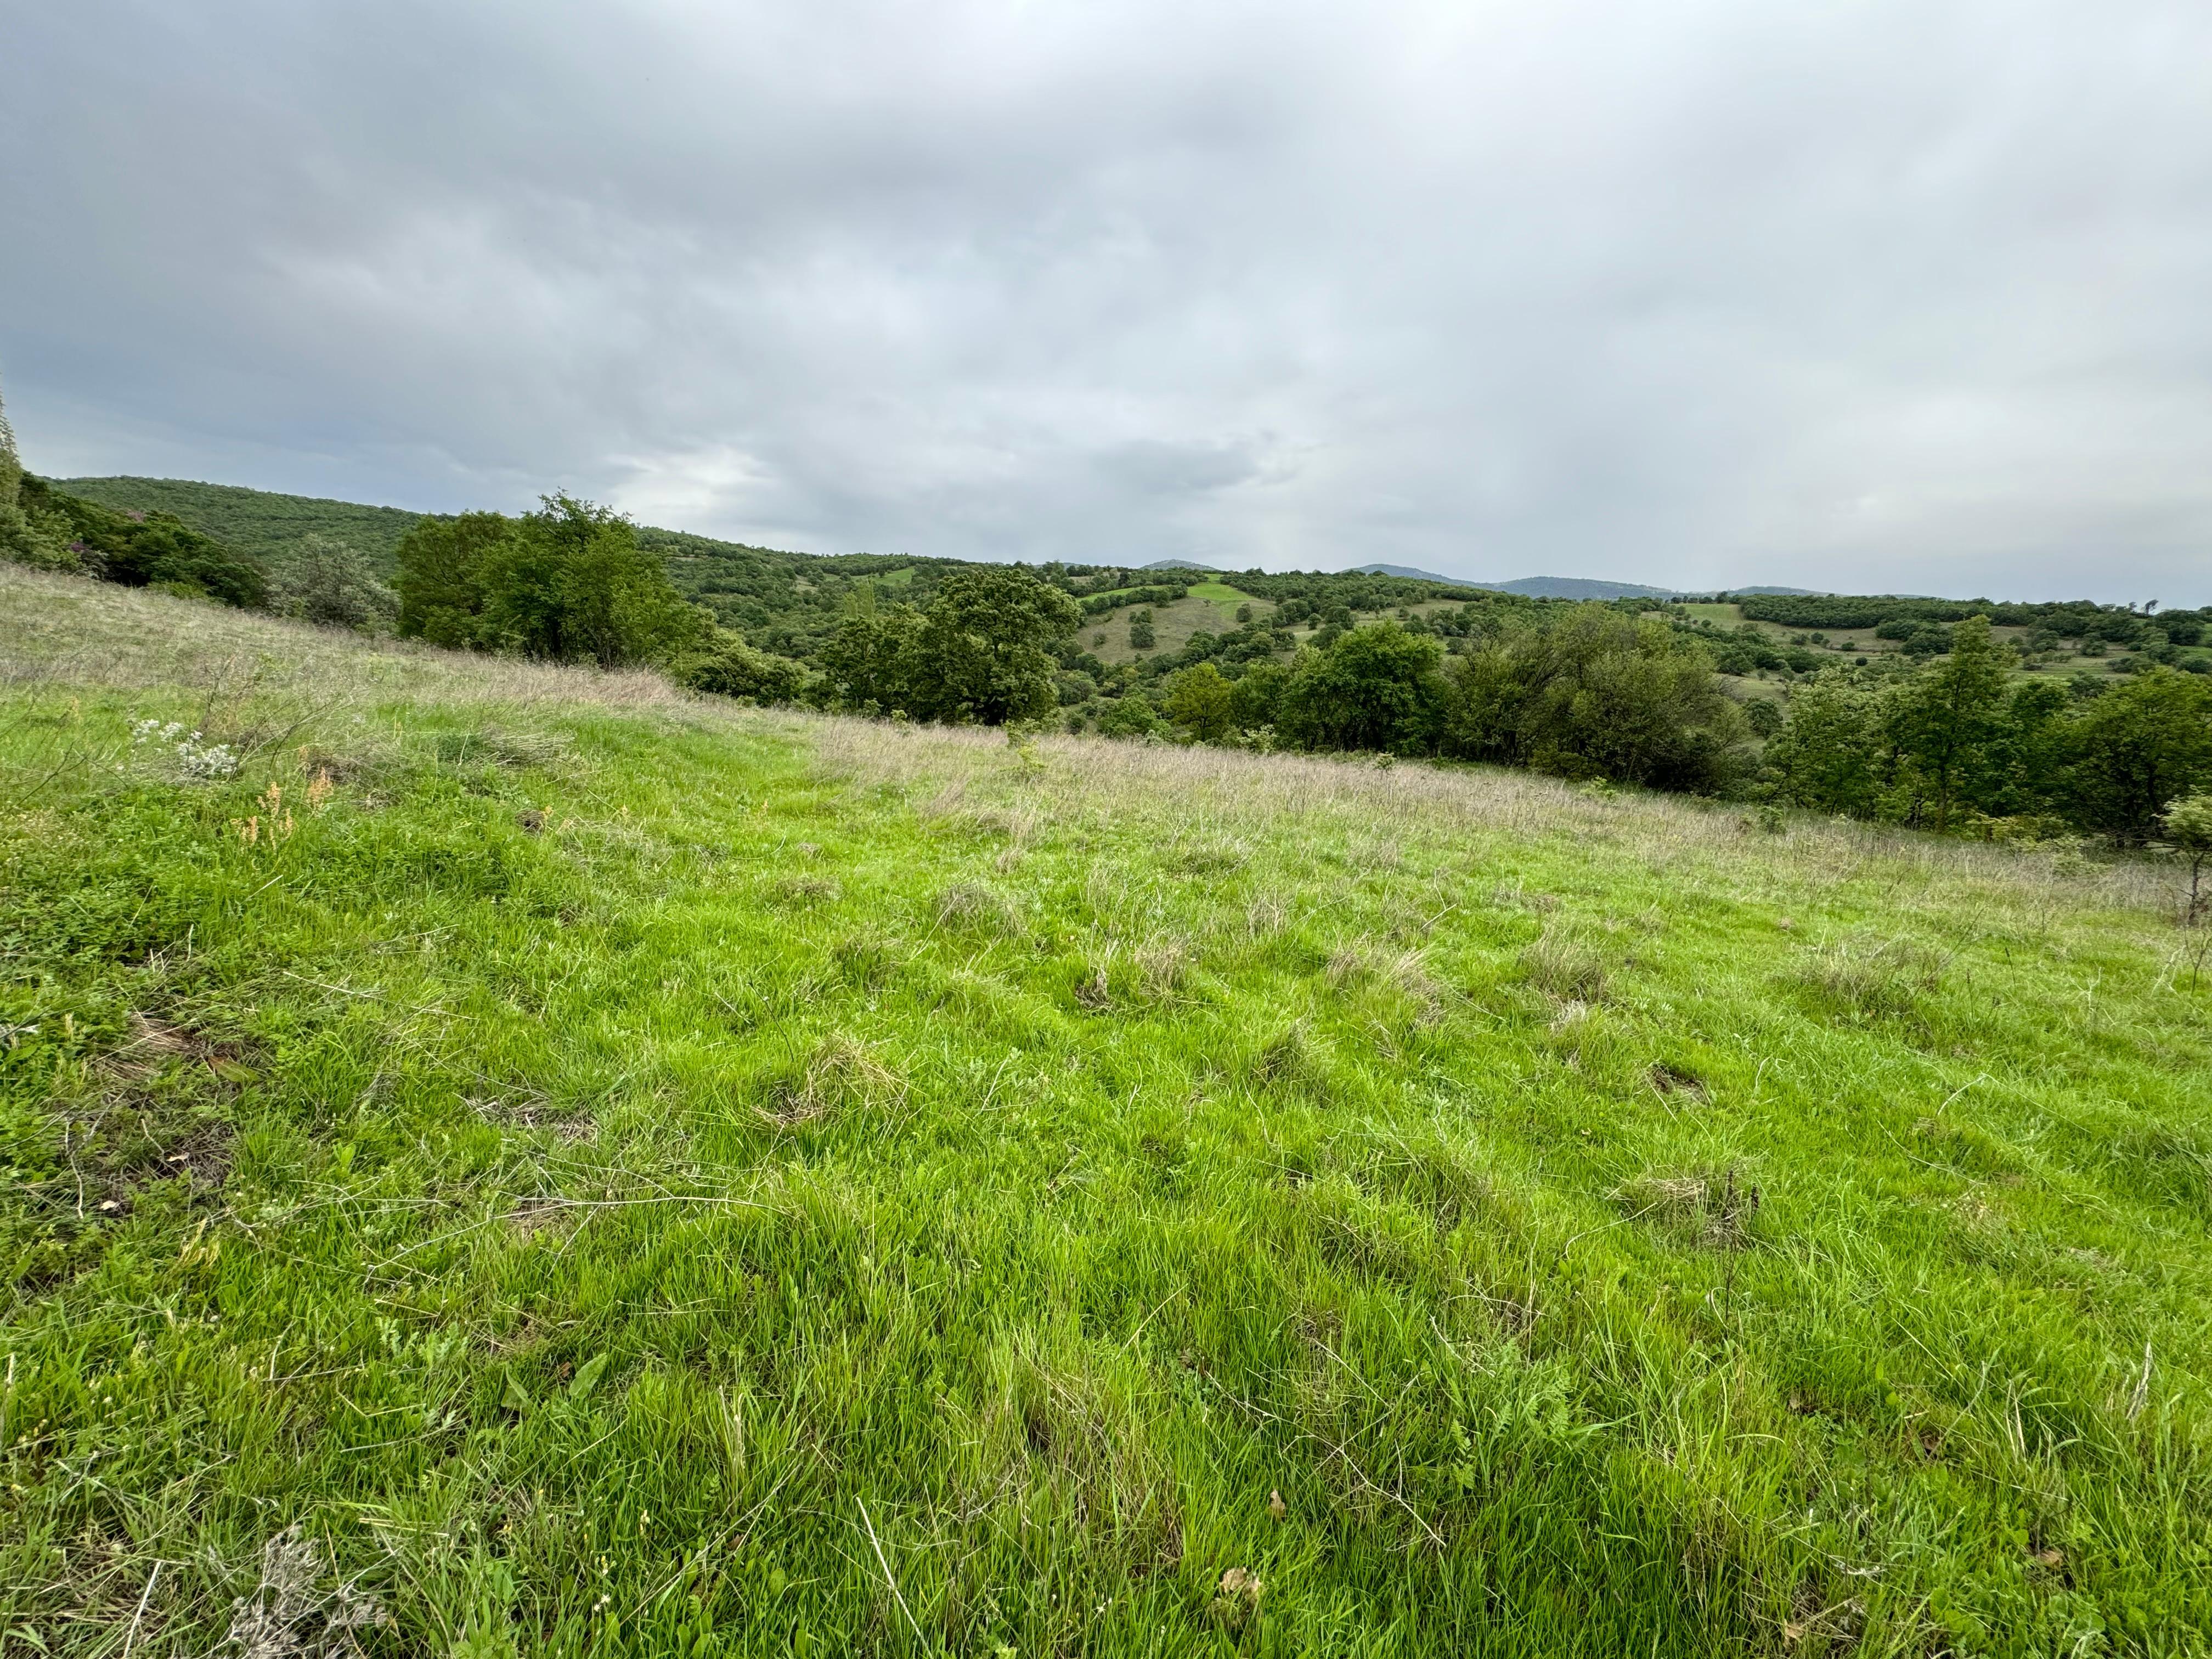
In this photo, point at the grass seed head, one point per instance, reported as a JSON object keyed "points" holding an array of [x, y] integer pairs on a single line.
{"points": [[1563, 965]]}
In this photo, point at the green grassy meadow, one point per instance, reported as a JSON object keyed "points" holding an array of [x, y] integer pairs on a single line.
{"points": [[537, 1163]]}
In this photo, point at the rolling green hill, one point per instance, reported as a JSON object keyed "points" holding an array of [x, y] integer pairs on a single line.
{"points": [[512, 1159], [788, 603], [266, 525]]}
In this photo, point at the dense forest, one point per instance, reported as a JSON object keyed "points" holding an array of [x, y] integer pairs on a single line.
{"points": [[257, 523], [1988, 717]]}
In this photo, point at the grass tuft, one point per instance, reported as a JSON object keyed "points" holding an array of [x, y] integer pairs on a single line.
{"points": [[968, 908], [841, 1074], [1862, 979], [1714, 1209], [1564, 965]]}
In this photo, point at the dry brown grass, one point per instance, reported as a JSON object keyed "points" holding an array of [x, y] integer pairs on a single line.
{"points": [[66, 630], [1390, 813]]}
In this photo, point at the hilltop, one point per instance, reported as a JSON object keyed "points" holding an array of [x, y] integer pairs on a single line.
{"points": [[593, 1169], [269, 527], [259, 523]]}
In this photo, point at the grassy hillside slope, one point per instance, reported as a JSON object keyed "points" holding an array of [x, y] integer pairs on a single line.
{"points": [[552, 1165]]}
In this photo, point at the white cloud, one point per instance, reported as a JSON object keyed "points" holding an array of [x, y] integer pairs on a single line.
{"points": [[1895, 295]]}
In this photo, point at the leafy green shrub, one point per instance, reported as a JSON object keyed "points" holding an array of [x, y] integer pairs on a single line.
{"points": [[1595, 694], [1129, 716], [332, 584], [2188, 827], [568, 583], [146, 550], [728, 667]]}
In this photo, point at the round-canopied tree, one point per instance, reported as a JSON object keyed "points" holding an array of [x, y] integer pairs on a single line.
{"points": [[984, 649]]}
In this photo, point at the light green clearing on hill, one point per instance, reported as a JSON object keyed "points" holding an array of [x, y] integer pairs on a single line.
{"points": [[628, 1176], [1172, 624]]}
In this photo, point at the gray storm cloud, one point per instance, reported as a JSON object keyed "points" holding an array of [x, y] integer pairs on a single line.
{"points": [[1869, 296]]}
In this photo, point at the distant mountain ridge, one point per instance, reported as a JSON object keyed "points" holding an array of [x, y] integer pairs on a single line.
{"points": [[1578, 587], [1567, 587]]}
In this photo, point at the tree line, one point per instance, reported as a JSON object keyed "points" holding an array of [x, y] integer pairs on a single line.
{"points": [[1955, 745], [1960, 745], [1583, 691], [1945, 739], [2072, 619]]}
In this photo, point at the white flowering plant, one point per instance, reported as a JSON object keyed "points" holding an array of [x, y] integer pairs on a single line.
{"points": [[197, 758]]}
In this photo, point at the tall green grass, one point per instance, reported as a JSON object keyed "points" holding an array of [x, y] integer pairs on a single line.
{"points": [[533, 1163]]}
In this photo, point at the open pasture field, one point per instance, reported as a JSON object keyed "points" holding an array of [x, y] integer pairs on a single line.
{"points": [[1210, 607], [527, 1161]]}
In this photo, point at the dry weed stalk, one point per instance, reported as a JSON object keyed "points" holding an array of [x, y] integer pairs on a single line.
{"points": [[287, 1615]]}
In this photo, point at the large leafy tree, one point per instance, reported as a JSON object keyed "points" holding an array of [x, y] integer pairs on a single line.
{"points": [[984, 649], [573, 585], [1257, 699], [1597, 694], [2030, 757], [1823, 758], [1202, 701], [568, 583], [2136, 750], [1944, 727], [871, 660], [1374, 687], [440, 584]]}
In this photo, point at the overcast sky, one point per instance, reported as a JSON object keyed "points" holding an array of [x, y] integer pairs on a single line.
{"points": [[1875, 296]]}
